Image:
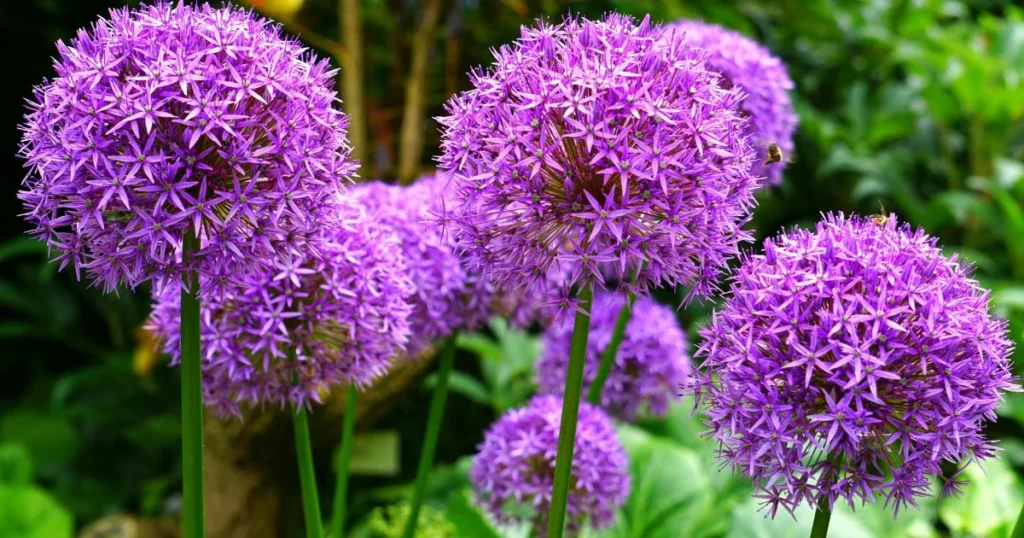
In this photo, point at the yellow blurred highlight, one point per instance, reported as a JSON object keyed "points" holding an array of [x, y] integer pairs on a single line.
{"points": [[279, 9], [147, 352]]}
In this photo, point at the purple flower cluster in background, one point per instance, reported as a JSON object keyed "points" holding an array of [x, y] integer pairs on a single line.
{"points": [[747, 64], [342, 309], [592, 149], [167, 119], [447, 297], [851, 362], [516, 461], [650, 366]]}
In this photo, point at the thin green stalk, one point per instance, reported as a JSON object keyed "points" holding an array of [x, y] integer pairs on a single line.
{"points": [[819, 529], [307, 475], [430, 438], [570, 413], [191, 401], [1018, 529], [344, 455], [608, 358]]}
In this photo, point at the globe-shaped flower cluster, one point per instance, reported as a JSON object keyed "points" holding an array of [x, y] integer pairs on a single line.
{"points": [[299, 323], [650, 366], [167, 120], [516, 461], [448, 297], [851, 362], [747, 64], [597, 148]]}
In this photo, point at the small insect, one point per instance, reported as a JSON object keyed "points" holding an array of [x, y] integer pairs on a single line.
{"points": [[775, 154], [881, 218]]}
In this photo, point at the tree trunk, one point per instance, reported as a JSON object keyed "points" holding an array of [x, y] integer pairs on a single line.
{"points": [[351, 77], [251, 475], [411, 141]]}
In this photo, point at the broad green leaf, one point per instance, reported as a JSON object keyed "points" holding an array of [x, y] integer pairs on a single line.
{"points": [[869, 521], [30, 512], [464, 384], [990, 502], [21, 246], [50, 439], [15, 465], [375, 453], [669, 490], [468, 519], [476, 343]]}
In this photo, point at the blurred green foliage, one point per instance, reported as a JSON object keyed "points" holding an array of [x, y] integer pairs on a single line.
{"points": [[914, 105]]}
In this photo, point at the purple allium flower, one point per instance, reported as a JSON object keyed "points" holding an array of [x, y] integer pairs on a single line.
{"points": [[447, 298], [851, 362], [516, 464], [761, 75], [594, 148], [342, 308], [650, 366], [169, 118]]}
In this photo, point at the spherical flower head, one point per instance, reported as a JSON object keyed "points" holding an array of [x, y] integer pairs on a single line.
{"points": [[762, 76], [850, 362], [298, 324], [515, 465], [169, 120], [650, 367], [447, 297], [596, 148]]}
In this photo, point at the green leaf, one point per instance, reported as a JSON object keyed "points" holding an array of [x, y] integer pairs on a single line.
{"points": [[683, 424], [869, 521], [465, 385], [375, 453], [15, 465], [506, 363], [21, 246], [50, 439], [670, 488], [1014, 215], [30, 512], [480, 345], [468, 519], [990, 503]]}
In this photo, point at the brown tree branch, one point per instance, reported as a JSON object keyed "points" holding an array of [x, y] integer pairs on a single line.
{"points": [[351, 76], [411, 141]]}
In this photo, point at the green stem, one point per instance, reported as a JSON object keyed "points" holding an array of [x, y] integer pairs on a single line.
{"points": [[608, 358], [191, 400], [1018, 529], [430, 438], [570, 412], [819, 529], [344, 455], [307, 475]]}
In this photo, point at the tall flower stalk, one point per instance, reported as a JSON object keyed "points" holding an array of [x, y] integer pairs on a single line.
{"points": [[573, 393], [429, 447], [604, 368], [512, 471], [348, 431], [644, 359], [307, 475], [191, 402], [181, 145]]}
